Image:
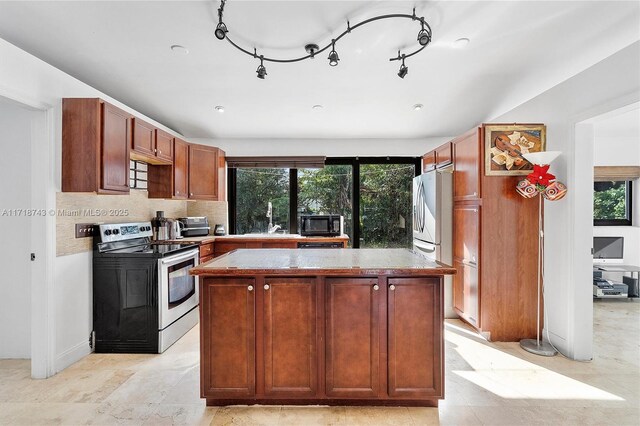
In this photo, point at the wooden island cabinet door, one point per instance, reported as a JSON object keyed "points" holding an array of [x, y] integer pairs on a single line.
{"points": [[352, 337], [227, 328], [415, 322], [290, 351]]}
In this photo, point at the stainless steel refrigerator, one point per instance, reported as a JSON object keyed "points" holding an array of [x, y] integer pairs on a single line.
{"points": [[432, 223]]}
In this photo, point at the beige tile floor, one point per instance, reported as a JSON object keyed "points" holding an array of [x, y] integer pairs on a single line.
{"points": [[486, 383]]}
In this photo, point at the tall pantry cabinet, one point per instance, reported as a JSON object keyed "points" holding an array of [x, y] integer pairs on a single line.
{"points": [[495, 246]]}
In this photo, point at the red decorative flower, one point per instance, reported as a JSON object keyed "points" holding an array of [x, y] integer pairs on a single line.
{"points": [[540, 176]]}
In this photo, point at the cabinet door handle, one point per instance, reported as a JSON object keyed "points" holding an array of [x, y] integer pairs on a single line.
{"points": [[155, 150], [191, 194], [250, 288], [392, 287], [475, 193], [159, 152], [376, 287], [266, 286], [177, 192]]}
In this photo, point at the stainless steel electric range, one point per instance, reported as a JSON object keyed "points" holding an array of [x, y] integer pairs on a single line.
{"points": [[143, 296]]}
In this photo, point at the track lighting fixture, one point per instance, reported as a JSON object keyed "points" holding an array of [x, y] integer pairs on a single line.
{"points": [[333, 55], [424, 36], [261, 71], [221, 31], [221, 28], [424, 39], [404, 70]]}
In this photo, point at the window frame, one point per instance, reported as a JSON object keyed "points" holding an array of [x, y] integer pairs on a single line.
{"points": [[354, 162], [627, 221]]}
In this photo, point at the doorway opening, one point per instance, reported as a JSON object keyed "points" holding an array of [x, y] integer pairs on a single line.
{"points": [[25, 218]]}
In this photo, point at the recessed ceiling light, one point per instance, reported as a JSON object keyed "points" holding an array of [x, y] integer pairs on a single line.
{"points": [[180, 49], [417, 107], [220, 109], [317, 107], [461, 42]]}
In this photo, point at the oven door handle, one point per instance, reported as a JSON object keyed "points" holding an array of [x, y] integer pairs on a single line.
{"points": [[178, 259]]}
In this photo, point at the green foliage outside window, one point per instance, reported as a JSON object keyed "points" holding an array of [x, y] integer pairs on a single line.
{"points": [[610, 200], [255, 189]]}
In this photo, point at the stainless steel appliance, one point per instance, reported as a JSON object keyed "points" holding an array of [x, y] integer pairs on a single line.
{"points": [[330, 225], [432, 223], [195, 226], [160, 227], [143, 296], [219, 230], [175, 229]]}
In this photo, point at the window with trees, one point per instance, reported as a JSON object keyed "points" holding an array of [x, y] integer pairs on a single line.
{"points": [[373, 195], [612, 203]]}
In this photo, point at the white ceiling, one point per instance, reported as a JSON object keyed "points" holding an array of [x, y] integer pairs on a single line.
{"points": [[517, 50]]}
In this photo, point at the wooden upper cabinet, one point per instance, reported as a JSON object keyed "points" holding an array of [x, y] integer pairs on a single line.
{"points": [[164, 145], [151, 145], [429, 161], [416, 365], [290, 351], [467, 166], [352, 337], [443, 155], [180, 168], [143, 139], [95, 146], [227, 314], [203, 172], [116, 136]]}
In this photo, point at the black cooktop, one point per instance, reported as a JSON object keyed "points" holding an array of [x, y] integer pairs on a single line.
{"points": [[149, 250]]}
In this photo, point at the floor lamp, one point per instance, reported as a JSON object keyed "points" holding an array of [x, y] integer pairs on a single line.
{"points": [[542, 184]]}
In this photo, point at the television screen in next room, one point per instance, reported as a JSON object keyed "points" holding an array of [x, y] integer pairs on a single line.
{"points": [[608, 248]]}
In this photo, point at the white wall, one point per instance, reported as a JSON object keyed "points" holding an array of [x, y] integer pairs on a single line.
{"points": [[608, 85], [326, 147], [26, 78], [15, 280], [617, 143]]}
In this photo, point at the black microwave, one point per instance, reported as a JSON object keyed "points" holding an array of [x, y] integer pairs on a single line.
{"points": [[328, 225]]}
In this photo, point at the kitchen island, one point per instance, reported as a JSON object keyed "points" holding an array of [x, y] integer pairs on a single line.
{"points": [[317, 326]]}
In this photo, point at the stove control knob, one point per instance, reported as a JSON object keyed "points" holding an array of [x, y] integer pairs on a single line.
{"points": [[107, 232], [116, 232]]}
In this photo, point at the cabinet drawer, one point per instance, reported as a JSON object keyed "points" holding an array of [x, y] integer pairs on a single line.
{"points": [[224, 247], [466, 233], [205, 259], [206, 250], [280, 244]]}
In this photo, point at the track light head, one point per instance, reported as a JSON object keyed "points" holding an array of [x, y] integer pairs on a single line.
{"points": [[221, 31], [333, 55], [261, 71], [424, 37], [404, 70], [333, 58]]}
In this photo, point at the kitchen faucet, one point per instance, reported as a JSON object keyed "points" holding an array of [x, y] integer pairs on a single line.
{"points": [[271, 228]]}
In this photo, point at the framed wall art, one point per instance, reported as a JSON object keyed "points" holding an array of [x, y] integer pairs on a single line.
{"points": [[505, 145]]}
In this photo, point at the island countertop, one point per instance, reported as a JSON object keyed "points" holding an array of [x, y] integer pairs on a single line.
{"points": [[334, 261]]}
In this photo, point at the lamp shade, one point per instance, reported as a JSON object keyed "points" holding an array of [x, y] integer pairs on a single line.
{"points": [[542, 158]]}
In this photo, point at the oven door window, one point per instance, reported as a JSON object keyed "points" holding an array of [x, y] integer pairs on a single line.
{"points": [[181, 285]]}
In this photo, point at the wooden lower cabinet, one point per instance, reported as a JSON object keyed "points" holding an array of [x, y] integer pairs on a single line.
{"points": [[352, 336], [290, 351], [415, 350], [466, 297], [227, 317], [321, 340]]}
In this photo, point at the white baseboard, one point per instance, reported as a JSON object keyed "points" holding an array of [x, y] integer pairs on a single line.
{"points": [[72, 355]]}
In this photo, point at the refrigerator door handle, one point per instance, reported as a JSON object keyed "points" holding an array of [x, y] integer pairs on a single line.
{"points": [[425, 247]]}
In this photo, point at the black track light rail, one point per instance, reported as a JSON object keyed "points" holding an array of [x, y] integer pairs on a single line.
{"points": [[349, 29]]}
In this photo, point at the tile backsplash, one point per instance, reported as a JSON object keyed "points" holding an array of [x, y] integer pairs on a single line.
{"points": [[215, 211]]}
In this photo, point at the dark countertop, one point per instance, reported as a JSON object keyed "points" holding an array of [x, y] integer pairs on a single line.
{"points": [[322, 262]]}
